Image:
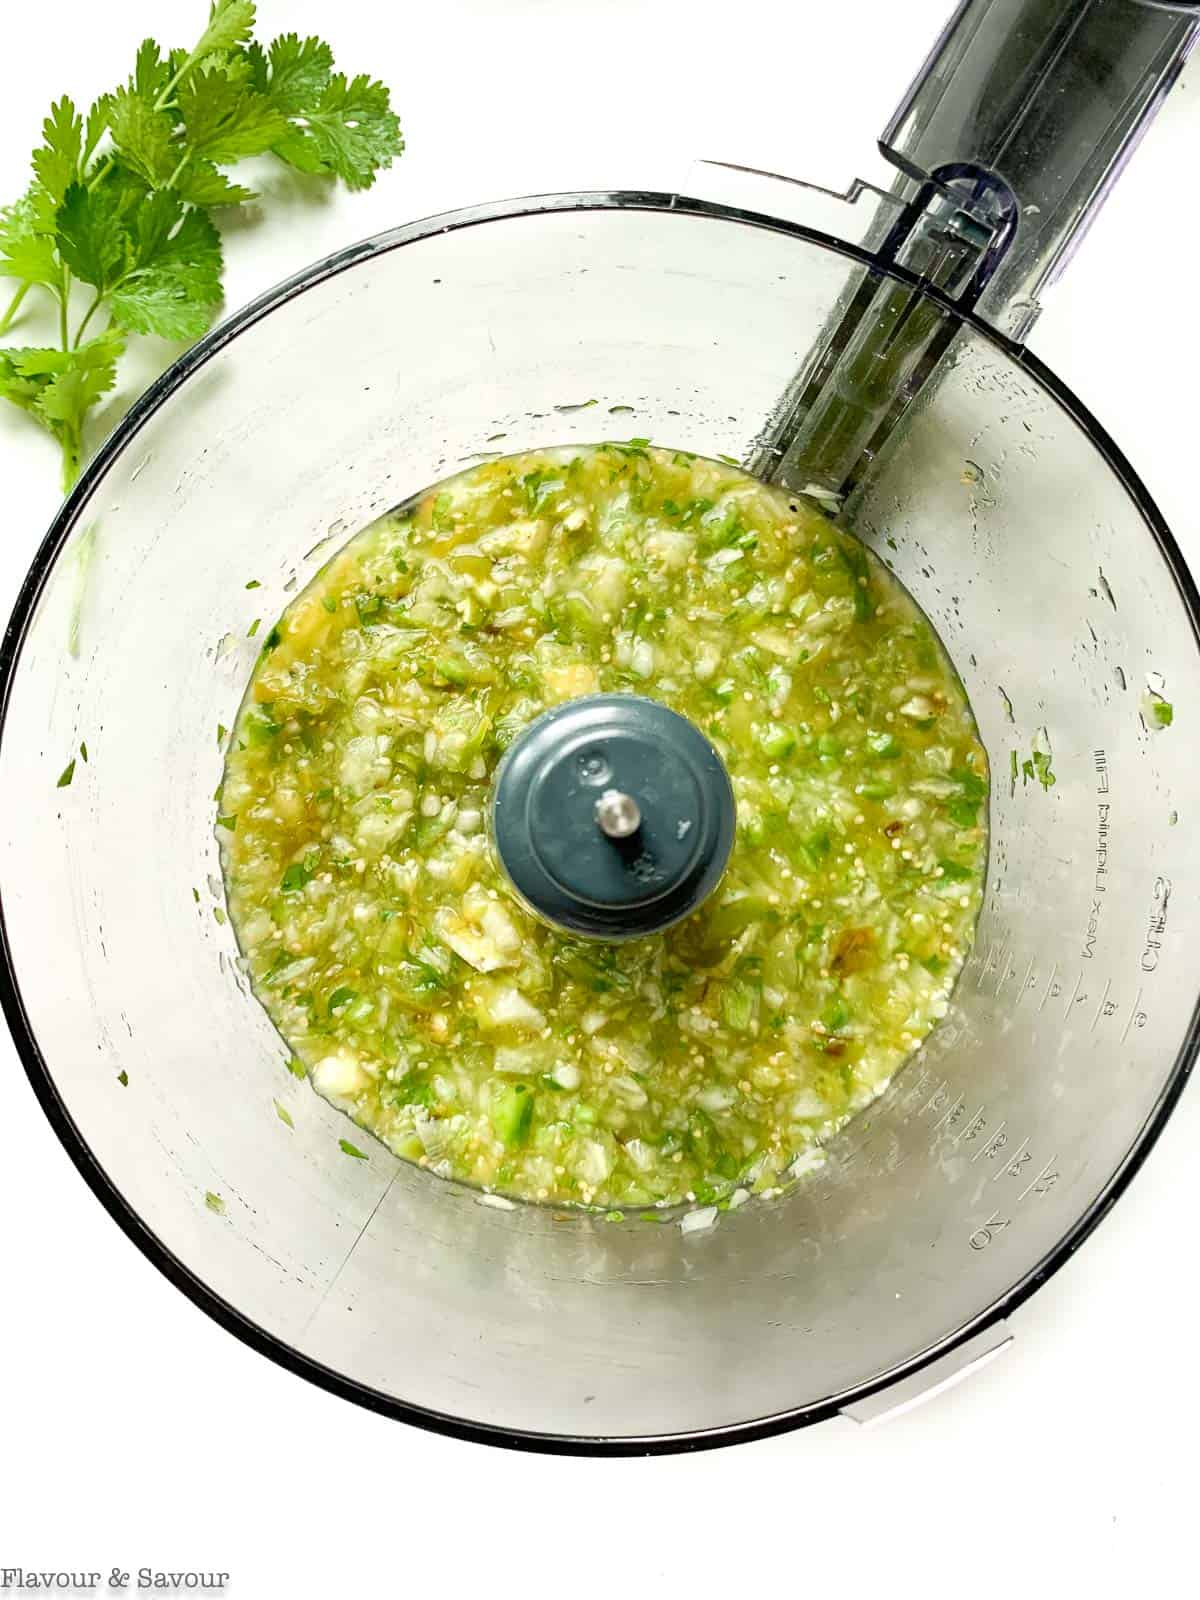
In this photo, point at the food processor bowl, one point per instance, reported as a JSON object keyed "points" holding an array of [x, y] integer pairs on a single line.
{"points": [[1063, 601]]}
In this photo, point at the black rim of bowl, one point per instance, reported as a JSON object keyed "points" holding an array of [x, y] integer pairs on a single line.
{"points": [[38, 1071]]}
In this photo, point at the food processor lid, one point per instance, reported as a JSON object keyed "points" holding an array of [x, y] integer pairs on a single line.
{"points": [[613, 816]]}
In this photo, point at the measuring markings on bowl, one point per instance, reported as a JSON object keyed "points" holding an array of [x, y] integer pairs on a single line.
{"points": [[1059, 988], [955, 1124]]}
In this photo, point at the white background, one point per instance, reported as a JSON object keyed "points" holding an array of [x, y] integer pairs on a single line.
{"points": [[133, 1431]]}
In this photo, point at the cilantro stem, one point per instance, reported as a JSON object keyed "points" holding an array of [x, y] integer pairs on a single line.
{"points": [[178, 173], [88, 315], [64, 295], [14, 305], [164, 98], [101, 172], [72, 454]]}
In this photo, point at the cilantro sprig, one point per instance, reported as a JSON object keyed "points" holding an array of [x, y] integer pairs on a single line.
{"points": [[116, 228]]}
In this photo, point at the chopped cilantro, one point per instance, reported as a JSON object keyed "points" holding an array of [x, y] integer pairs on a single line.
{"points": [[295, 877], [956, 873], [1036, 769]]}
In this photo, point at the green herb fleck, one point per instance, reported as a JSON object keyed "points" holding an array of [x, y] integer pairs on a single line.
{"points": [[227, 821], [65, 776], [83, 750], [214, 1202], [443, 513], [222, 730], [1036, 769], [296, 1067], [297, 875], [283, 1114], [123, 1078], [253, 628], [254, 584], [352, 1150], [1163, 712], [954, 872]]}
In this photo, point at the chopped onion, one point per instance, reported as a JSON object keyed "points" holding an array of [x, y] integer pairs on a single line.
{"points": [[698, 1221], [642, 660]]}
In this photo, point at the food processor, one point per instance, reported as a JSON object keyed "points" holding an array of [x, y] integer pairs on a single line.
{"points": [[866, 349]]}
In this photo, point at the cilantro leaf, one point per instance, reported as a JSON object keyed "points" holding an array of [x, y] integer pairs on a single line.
{"points": [[90, 372], [225, 119], [174, 282], [230, 23], [144, 136], [92, 240], [27, 244], [57, 162], [25, 374], [95, 127], [59, 387], [351, 132], [293, 73], [200, 184], [151, 73]]}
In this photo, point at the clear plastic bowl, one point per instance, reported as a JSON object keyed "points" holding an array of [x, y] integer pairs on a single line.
{"points": [[1005, 510]]}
